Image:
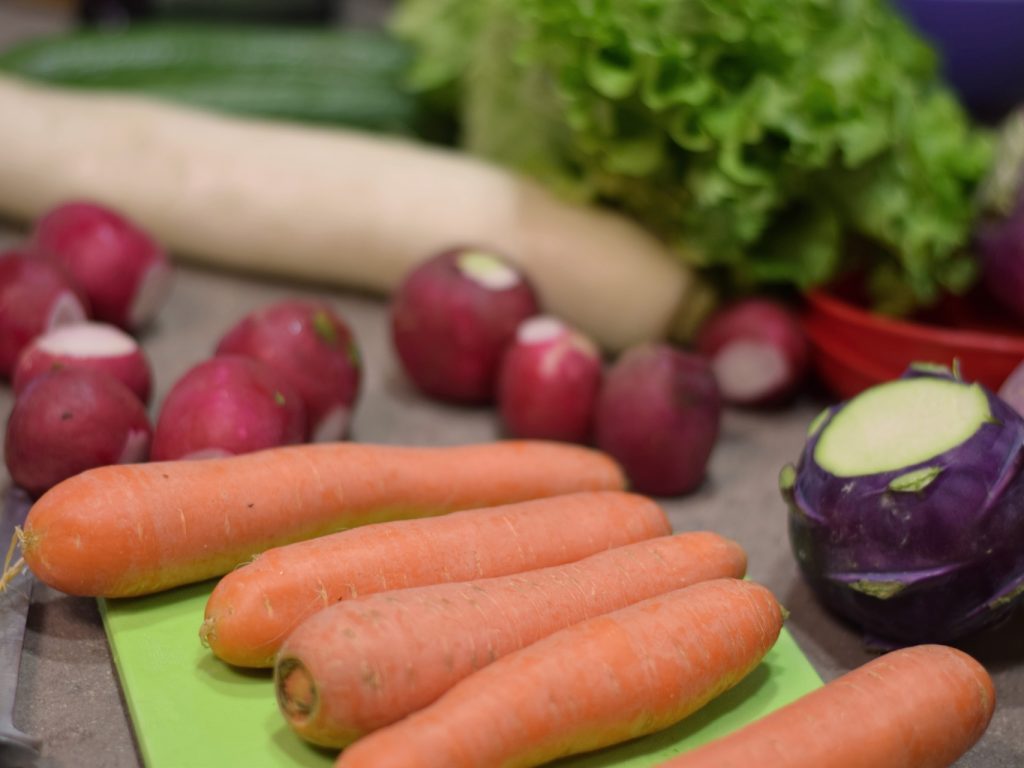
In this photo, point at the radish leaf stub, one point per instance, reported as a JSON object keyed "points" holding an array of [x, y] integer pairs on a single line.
{"points": [[487, 271], [900, 424]]}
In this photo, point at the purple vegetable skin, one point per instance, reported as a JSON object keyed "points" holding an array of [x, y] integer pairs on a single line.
{"points": [[1000, 235], [928, 551], [1002, 248]]}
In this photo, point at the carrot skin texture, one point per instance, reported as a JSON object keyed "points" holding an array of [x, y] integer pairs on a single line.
{"points": [[917, 707], [128, 530], [253, 609], [366, 663], [593, 684]]}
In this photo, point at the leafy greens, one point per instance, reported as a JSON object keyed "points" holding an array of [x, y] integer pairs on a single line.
{"points": [[758, 136]]}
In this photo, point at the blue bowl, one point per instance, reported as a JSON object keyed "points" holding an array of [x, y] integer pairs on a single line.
{"points": [[981, 43]]}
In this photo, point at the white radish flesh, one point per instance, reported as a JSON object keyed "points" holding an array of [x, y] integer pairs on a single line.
{"points": [[758, 351], [329, 205], [35, 296], [123, 272], [97, 346]]}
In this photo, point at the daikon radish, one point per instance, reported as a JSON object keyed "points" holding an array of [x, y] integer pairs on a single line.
{"points": [[336, 206]]}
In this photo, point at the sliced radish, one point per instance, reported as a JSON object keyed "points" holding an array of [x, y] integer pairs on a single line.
{"points": [[314, 349], [452, 319], [123, 271], [758, 352], [97, 346], [35, 296], [549, 381], [225, 406], [67, 421]]}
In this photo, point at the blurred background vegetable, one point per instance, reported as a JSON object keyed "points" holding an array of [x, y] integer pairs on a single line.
{"points": [[773, 146], [760, 137]]}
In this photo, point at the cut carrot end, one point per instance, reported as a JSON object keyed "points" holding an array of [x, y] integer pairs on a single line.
{"points": [[296, 691]]}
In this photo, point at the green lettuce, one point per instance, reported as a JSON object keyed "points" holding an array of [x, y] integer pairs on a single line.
{"points": [[762, 137]]}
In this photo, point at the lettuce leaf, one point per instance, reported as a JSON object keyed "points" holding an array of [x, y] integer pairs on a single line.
{"points": [[761, 135]]}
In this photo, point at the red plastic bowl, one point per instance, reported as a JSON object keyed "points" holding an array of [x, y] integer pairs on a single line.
{"points": [[853, 349]]}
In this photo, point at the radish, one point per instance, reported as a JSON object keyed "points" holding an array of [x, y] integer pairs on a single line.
{"points": [[97, 346], [67, 421], [228, 405], [452, 319], [758, 352], [124, 273], [658, 414], [549, 381], [34, 297], [314, 350]]}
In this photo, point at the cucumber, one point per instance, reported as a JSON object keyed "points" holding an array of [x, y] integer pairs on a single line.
{"points": [[351, 77]]}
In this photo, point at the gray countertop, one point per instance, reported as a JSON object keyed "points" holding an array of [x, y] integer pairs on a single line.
{"points": [[69, 693]]}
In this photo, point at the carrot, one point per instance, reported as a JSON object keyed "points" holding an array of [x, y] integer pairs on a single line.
{"points": [[597, 683], [362, 664], [254, 608], [132, 529], [918, 707]]}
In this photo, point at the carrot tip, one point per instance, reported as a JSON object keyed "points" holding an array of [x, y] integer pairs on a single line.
{"points": [[296, 690], [207, 631], [9, 571]]}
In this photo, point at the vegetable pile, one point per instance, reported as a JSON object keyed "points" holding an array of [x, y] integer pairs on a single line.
{"points": [[468, 327], [70, 297], [907, 508], [756, 135], [510, 602]]}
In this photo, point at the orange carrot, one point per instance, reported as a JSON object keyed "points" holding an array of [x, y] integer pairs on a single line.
{"points": [[597, 683], [131, 529], [918, 707], [362, 664], [254, 608]]}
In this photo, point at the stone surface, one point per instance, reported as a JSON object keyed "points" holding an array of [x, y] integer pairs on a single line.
{"points": [[69, 693]]}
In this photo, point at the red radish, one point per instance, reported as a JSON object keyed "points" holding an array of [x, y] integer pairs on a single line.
{"points": [[35, 296], [1012, 390], [225, 406], [658, 414], [549, 380], [123, 272], [758, 351], [96, 346], [452, 318], [68, 421], [314, 349]]}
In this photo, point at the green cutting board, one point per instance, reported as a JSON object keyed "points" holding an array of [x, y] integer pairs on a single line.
{"points": [[189, 709]]}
